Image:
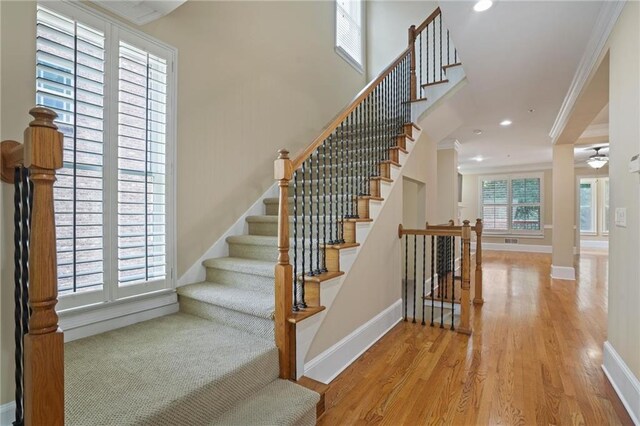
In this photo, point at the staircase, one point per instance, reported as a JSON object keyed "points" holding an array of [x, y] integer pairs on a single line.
{"points": [[230, 355]]}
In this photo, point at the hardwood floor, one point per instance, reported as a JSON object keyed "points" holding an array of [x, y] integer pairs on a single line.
{"points": [[534, 357]]}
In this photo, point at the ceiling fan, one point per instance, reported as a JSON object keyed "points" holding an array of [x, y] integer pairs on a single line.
{"points": [[597, 160]]}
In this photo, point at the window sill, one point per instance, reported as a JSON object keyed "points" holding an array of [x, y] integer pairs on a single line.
{"points": [[101, 317], [349, 59], [532, 236]]}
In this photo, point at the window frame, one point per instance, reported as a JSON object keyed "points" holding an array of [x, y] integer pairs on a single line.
{"points": [[510, 205], [595, 215], [360, 67], [114, 32]]}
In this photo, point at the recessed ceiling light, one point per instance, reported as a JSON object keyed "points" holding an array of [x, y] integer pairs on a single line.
{"points": [[482, 5], [505, 123], [478, 158], [477, 131]]}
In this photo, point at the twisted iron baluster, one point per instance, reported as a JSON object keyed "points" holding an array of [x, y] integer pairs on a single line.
{"points": [[424, 274], [453, 280], [304, 235], [432, 277], [406, 272], [296, 281], [324, 206], [17, 277], [415, 278]]}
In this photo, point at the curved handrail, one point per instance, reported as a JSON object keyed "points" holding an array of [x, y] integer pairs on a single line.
{"points": [[335, 122]]}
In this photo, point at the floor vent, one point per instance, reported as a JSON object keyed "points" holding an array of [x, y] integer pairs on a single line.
{"points": [[511, 241]]}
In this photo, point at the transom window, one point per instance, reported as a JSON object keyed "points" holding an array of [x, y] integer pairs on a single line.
{"points": [[112, 89], [349, 42], [512, 204]]}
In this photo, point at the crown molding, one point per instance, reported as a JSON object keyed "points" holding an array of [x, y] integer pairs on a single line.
{"points": [[609, 13], [515, 168]]}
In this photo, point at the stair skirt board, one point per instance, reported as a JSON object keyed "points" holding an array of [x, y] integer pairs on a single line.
{"points": [[330, 363]]}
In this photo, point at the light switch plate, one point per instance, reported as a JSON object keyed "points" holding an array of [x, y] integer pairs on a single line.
{"points": [[621, 216]]}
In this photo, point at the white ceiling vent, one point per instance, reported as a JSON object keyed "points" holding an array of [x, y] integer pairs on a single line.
{"points": [[140, 12]]}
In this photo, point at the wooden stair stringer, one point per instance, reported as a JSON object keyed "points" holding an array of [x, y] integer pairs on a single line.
{"points": [[307, 328]]}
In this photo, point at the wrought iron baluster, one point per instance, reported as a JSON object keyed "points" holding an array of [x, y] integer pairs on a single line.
{"points": [[442, 280], [342, 187], [448, 54], [406, 273], [18, 296], [415, 278], [324, 207], [311, 272], [433, 24], [440, 40], [426, 36], [304, 234], [453, 280], [296, 278], [420, 66], [432, 278], [424, 274], [318, 224]]}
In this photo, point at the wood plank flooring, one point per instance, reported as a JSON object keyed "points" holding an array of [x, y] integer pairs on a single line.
{"points": [[534, 357]]}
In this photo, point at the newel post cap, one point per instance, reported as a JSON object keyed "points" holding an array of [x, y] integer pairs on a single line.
{"points": [[283, 167], [42, 140]]}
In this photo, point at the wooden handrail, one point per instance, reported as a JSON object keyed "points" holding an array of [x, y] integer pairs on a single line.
{"points": [[342, 115], [44, 343], [427, 21]]}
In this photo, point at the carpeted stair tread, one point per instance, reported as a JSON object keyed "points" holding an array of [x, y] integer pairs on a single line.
{"points": [[293, 408], [238, 264], [176, 369], [268, 218], [261, 305], [265, 240]]}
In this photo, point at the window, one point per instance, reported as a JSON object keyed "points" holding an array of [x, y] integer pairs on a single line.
{"points": [[605, 207], [349, 32], [111, 88], [594, 206], [512, 204], [588, 219]]}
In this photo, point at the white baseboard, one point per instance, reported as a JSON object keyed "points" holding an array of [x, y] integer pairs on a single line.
{"points": [[563, 272], [326, 366], [527, 248], [92, 320], [7, 413], [625, 383], [196, 273], [595, 244]]}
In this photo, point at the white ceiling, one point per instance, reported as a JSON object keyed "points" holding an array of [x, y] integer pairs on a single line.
{"points": [[517, 55]]}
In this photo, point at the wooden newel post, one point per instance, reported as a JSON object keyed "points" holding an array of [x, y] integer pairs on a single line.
{"points": [[477, 298], [412, 46], [284, 331], [44, 344], [465, 302]]}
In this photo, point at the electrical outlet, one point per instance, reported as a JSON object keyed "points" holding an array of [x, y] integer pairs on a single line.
{"points": [[621, 216]]}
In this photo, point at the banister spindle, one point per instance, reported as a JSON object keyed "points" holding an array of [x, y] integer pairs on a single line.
{"points": [[433, 251], [433, 25], [20, 331], [465, 325], [415, 278], [296, 277], [412, 51], [440, 64], [324, 207], [424, 275], [453, 279], [318, 269], [303, 217], [477, 297], [420, 67], [406, 273], [342, 184], [442, 278]]}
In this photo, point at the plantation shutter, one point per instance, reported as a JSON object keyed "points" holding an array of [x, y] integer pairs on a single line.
{"points": [[142, 183], [70, 63], [349, 28], [495, 204]]}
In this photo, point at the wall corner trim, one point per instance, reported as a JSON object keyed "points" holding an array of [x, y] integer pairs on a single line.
{"points": [[624, 382], [326, 366], [7, 413], [609, 13], [563, 273]]}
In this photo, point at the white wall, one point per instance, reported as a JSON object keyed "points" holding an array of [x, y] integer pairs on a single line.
{"points": [[388, 24], [624, 242]]}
